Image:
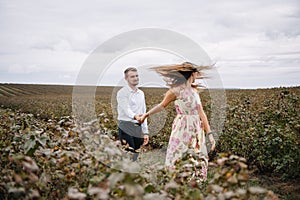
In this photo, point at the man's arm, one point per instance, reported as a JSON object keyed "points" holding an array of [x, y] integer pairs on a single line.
{"points": [[144, 124]]}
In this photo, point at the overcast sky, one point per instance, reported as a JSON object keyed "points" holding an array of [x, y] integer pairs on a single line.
{"points": [[255, 43]]}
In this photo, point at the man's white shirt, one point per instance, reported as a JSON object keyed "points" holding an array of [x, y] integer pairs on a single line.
{"points": [[131, 103]]}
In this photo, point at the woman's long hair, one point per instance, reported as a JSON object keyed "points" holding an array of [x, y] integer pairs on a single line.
{"points": [[178, 74]]}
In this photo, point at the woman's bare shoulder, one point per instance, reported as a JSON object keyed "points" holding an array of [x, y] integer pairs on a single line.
{"points": [[175, 90]]}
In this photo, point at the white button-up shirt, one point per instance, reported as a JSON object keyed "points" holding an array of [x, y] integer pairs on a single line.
{"points": [[131, 103]]}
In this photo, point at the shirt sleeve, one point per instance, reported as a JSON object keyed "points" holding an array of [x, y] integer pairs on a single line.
{"points": [[144, 124], [145, 127]]}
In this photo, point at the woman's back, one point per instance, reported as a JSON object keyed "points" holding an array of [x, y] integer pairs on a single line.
{"points": [[187, 102]]}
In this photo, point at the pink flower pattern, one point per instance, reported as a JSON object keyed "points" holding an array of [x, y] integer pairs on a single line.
{"points": [[186, 137], [178, 111]]}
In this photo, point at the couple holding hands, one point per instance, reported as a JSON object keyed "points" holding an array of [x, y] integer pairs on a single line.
{"points": [[190, 124]]}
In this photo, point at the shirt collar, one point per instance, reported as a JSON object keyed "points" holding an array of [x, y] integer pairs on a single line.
{"points": [[131, 90]]}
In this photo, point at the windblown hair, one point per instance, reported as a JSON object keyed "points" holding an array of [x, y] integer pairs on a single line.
{"points": [[178, 74]]}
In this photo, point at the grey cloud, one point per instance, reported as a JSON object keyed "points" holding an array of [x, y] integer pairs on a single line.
{"points": [[48, 33]]}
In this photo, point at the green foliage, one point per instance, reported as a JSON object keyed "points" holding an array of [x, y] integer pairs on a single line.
{"points": [[265, 130], [82, 163], [230, 181], [261, 125]]}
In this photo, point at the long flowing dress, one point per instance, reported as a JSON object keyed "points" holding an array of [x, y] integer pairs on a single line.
{"points": [[187, 132]]}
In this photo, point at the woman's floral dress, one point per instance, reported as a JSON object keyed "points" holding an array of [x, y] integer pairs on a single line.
{"points": [[187, 132]]}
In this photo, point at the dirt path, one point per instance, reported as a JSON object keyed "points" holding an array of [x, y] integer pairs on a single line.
{"points": [[286, 189]]}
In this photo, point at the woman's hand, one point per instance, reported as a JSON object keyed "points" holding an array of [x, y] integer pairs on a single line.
{"points": [[142, 118], [212, 141]]}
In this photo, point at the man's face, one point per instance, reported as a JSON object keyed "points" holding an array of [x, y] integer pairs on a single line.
{"points": [[132, 78]]}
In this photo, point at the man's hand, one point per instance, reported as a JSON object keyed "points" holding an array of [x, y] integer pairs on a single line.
{"points": [[142, 118], [146, 139], [138, 117]]}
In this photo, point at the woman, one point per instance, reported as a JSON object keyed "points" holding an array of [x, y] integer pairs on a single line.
{"points": [[187, 129]]}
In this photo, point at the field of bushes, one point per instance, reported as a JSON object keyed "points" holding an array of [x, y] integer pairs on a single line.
{"points": [[45, 155]]}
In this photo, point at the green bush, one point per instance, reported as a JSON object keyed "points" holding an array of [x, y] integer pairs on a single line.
{"points": [[69, 162], [267, 135]]}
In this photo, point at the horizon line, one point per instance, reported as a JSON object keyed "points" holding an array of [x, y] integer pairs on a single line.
{"points": [[69, 84]]}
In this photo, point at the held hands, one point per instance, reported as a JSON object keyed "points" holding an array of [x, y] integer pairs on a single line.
{"points": [[141, 118], [137, 117]]}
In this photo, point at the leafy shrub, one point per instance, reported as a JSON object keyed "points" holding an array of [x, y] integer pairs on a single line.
{"points": [[261, 125], [267, 134], [84, 163]]}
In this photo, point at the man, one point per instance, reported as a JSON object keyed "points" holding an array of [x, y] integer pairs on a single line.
{"points": [[131, 105]]}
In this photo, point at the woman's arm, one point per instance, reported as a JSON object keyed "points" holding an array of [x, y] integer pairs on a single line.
{"points": [[206, 125], [204, 119], [169, 97]]}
